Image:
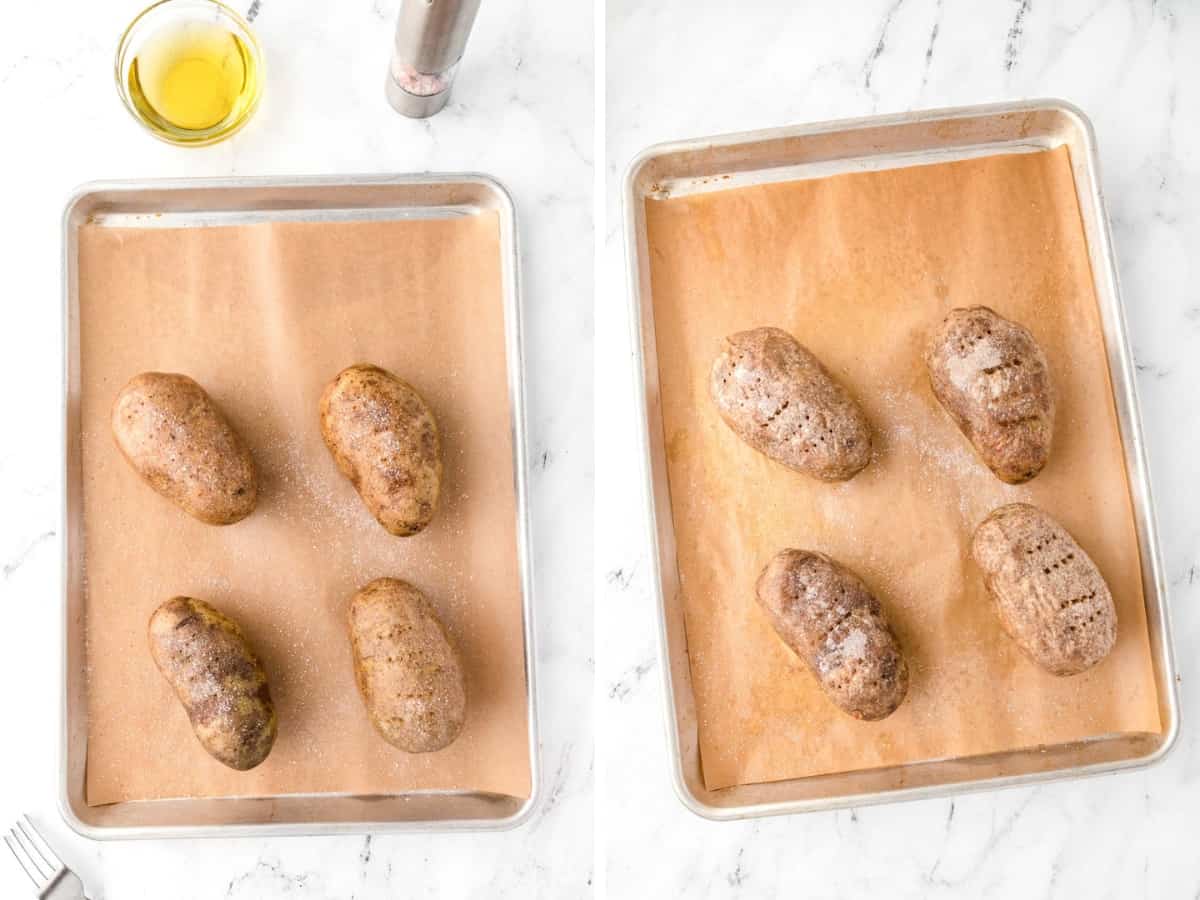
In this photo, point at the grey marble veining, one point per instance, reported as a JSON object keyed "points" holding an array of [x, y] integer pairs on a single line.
{"points": [[515, 113], [684, 68]]}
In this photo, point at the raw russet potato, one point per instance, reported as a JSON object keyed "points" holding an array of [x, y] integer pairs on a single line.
{"points": [[832, 621], [218, 679], [778, 398], [1051, 598], [385, 439], [177, 439], [991, 376], [408, 672]]}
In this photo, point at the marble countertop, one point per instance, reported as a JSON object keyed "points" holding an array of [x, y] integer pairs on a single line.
{"points": [[686, 68], [515, 114]]}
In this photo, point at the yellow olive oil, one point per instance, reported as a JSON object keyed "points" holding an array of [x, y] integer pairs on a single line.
{"points": [[194, 81]]}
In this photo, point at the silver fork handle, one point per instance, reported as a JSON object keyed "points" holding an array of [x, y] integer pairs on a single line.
{"points": [[65, 886]]}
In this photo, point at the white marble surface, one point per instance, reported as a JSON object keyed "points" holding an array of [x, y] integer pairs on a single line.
{"points": [[683, 68], [521, 111]]}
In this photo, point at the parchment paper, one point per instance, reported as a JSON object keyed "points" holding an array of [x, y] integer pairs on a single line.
{"points": [[859, 267], [263, 316]]}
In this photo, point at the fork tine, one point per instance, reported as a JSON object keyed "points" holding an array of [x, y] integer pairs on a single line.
{"points": [[24, 845], [53, 860], [9, 843]]}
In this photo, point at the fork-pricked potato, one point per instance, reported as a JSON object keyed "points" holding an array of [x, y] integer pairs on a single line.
{"points": [[778, 398], [1051, 598], [991, 376], [831, 620]]}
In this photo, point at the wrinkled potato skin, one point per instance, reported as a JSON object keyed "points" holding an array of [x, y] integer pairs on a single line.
{"points": [[218, 679], [408, 672], [1051, 598], [385, 440], [831, 620], [178, 440], [778, 398], [991, 376]]}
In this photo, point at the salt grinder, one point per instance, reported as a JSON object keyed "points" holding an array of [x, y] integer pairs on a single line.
{"points": [[430, 38]]}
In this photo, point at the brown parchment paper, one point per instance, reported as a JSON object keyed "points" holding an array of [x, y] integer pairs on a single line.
{"points": [[859, 267], [263, 316]]}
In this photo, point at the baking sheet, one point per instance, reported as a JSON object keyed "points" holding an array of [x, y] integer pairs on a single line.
{"points": [[263, 315], [859, 267]]}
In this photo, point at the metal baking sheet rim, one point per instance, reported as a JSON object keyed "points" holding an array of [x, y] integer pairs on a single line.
{"points": [[514, 351], [1125, 393]]}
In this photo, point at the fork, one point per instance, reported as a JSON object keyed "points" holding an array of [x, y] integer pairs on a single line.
{"points": [[51, 878]]}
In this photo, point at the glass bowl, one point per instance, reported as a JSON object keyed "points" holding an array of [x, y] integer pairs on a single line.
{"points": [[161, 19]]}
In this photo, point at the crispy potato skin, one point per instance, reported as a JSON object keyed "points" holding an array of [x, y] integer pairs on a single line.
{"points": [[778, 398], [991, 376], [385, 439], [218, 679], [1051, 598], [408, 672], [831, 620], [178, 440]]}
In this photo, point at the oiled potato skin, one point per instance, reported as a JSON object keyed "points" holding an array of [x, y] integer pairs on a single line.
{"points": [[218, 679], [408, 672], [832, 621], [385, 440], [1051, 598], [778, 398], [991, 376], [178, 440]]}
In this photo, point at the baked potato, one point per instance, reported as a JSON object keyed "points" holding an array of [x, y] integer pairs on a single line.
{"points": [[778, 398], [832, 621], [1051, 598], [991, 376]]}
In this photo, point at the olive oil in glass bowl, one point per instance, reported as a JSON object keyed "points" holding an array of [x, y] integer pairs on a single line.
{"points": [[190, 71]]}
